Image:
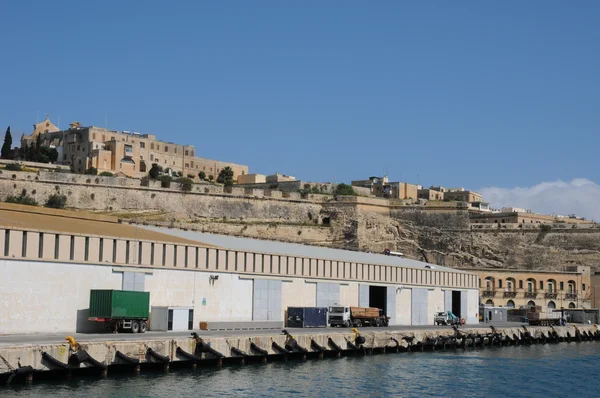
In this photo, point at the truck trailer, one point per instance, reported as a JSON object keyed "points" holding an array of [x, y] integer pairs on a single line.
{"points": [[120, 310], [357, 316]]}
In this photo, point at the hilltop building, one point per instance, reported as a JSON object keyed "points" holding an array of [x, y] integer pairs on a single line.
{"points": [[381, 187], [122, 152]]}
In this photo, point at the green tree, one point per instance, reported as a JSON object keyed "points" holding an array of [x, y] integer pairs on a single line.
{"points": [[155, 171], [92, 171], [211, 177], [345, 189], [7, 146], [225, 176], [202, 175]]}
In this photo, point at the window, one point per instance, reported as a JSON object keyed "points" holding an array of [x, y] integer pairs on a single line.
{"points": [[541, 285], [186, 153], [151, 145], [520, 284], [151, 157], [166, 149], [94, 136], [175, 149], [583, 287], [24, 245], [142, 145], [500, 283], [187, 165], [157, 147], [87, 249], [562, 286]]}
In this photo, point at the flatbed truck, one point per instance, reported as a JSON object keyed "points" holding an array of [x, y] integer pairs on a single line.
{"points": [[357, 316]]}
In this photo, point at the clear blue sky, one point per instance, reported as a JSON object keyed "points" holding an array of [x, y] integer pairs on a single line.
{"points": [[465, 93]]}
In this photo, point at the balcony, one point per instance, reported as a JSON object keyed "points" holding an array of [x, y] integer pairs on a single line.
{"points": [[571, 296], [531, 295], [488, 293], [510, 294], [551, 295]]}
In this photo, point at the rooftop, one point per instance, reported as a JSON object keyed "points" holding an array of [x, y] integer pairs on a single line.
{"points": [[293, 249], [80, 223]]}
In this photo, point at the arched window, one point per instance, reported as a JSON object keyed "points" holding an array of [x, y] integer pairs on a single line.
{"points": [[571, 287], [510, 304], [551, 305], [530, 285], [489, 303], [489, 283], [551, 286], [510, 284], [531, 303], [571, 305]]}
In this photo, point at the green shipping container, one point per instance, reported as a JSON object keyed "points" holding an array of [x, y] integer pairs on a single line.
{"points": [[119, 304]]}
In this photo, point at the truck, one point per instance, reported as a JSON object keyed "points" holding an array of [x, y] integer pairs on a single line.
{"points": [[535, 317], [357, 316], [445, 318], [120, 310]]}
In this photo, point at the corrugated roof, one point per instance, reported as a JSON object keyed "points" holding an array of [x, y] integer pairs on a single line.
{"points": [[79, 223], [293, 249]]}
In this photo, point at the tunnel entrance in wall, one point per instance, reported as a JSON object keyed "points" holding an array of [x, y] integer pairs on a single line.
{"points": [[378, 298], [456, 304]]}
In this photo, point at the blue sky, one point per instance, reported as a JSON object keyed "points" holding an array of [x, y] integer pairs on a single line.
{"points": [[467, 93]]}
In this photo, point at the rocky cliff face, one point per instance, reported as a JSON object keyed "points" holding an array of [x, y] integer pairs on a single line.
{"points": [[446, 239]]}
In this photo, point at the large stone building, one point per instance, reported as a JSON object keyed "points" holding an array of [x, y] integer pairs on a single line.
{"points": [[518, 217], [122, 152], [571, 288], [382, 187], [51, 259]]}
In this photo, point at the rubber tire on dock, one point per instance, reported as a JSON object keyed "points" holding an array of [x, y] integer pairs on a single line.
{"points": [[135, 327], [143, 326]]}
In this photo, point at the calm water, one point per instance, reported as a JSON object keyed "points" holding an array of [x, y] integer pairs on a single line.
{"points": [[538, 371]]}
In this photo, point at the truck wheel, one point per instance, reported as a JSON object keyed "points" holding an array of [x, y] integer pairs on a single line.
{"points": [[348, 324], [378, 323], [143, 327], [135, 327], [357, 323]]}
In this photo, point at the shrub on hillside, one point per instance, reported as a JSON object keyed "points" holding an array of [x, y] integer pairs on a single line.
{"points": [[13, 167], [22, 199], [92, 171], [106, 174], [56, 201], [185, 184]]}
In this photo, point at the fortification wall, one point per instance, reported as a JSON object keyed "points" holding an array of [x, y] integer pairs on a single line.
{"points": [[203, 202]]}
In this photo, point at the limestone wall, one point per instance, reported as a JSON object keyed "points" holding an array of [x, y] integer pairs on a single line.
{"points": [[208, 203]]}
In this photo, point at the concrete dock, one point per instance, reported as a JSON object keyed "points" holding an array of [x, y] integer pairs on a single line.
{"points": [[22, 357]]}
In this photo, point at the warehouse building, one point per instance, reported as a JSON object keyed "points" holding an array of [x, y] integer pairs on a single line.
{"points": [[51, 259]]}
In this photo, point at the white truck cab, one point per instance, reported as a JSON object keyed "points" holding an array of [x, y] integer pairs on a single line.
{"points": [[340, 316]]}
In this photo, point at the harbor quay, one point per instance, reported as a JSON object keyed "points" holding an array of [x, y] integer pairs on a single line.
{"points": [[101, 355]]}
